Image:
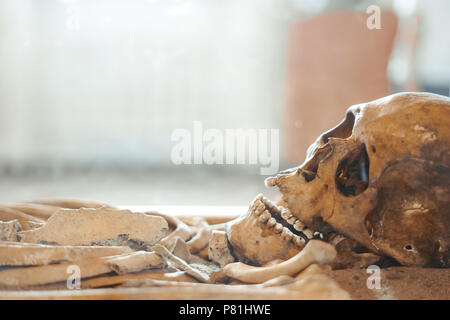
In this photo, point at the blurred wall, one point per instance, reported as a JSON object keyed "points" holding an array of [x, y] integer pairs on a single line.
{"points": [[96, 80]]}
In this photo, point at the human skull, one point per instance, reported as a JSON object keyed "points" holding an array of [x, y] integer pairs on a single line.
{"points": [[382, 178]]}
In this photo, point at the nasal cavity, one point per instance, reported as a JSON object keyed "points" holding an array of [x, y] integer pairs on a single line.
{"points": [[352, 174], [343, 130], [309, 171]]}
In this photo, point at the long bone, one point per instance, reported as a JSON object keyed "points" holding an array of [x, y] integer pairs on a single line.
{"points": [[315, 251]]}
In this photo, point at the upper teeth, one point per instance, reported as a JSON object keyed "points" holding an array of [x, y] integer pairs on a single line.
{"points": [[299, 226], [291, 220], [285, 214]]}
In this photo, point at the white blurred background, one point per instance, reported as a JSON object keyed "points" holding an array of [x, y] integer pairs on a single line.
{"points": [[91, 90]]}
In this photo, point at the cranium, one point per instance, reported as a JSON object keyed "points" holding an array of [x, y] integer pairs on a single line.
{"points": [[382, 178]]}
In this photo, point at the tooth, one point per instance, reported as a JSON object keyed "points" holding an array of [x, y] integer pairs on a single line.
{"points": [[272, 222], [298, 240], [264, 216], [285, 214], [270, 182], [308, 233], [291, 220], [299, 226], [278, 228]]}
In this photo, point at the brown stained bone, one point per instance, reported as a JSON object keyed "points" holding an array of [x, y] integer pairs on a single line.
{"points": [[8, 214], [135, 262], [18, 254], [347, 257], [380, 177], [84, 226], [218, 250], [71, 203], [315, 252], [9, 230]]}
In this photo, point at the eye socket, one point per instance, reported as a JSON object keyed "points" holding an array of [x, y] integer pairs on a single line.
{"points": [[343, 130], [352, 174]]}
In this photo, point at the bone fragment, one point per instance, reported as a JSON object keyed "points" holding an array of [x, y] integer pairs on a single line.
{"points": [[218, 250], [30, 225], [84, 226], [200, 240], [9, 230], [182, 230], [18, 254], [135, 262], [181, 250], [315, 251], [182, 265], [71, 203], [8, 214]]}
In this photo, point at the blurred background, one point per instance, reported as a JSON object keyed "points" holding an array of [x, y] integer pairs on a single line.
{"points": [[91, 90]]}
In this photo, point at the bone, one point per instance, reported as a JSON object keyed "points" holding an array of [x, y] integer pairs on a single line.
{"points": [[8, 214], [155, 274], [180, 264], [218, 250], [200, 240], [18, 254], [270, 182], [84, 226], [276, 282], [40, 275], [264, 217], [182, 230], [36, 210], [135, 262], [314, 289], [34, 225], [315, 251], [181, 250], [70, 203], [9, 230]]}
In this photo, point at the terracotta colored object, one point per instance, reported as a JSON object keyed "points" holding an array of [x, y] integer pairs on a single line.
{"points": [[333, 61]]}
